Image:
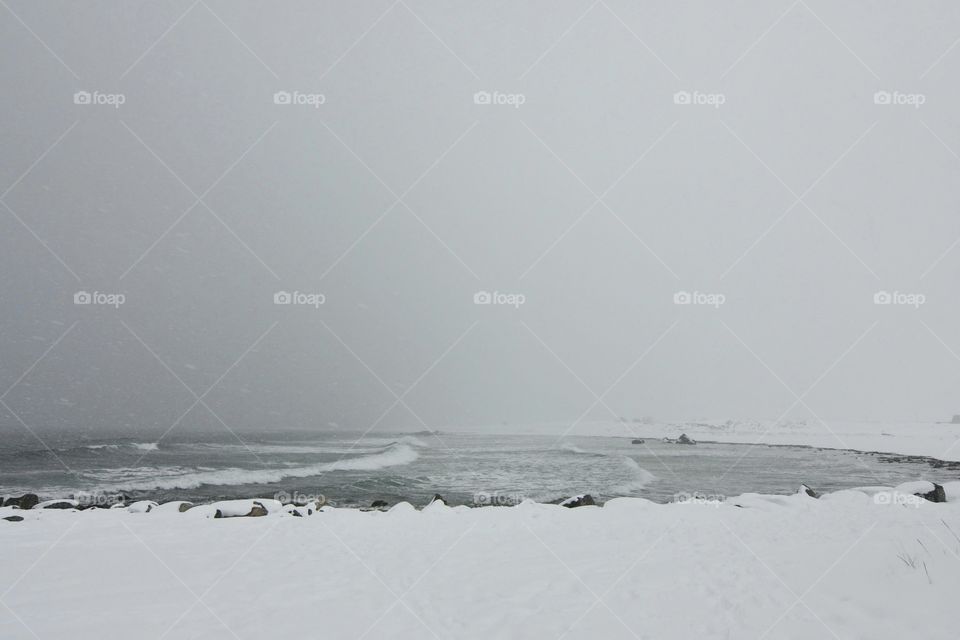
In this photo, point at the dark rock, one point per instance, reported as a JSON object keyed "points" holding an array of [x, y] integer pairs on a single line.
{"points": [[26, 501], [14, 518], [84, 507], [578, 501], [937, 495], [380, 504], [810, 492], [437, 497], [295, 513], [684, 439], [61, 504]]}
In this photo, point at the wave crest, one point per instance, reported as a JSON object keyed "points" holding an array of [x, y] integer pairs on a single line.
{"points": [[397, 455]]}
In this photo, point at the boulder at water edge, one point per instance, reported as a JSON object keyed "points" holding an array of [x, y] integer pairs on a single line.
{"points": [[585, 500], [26, 501], [807, 490]]}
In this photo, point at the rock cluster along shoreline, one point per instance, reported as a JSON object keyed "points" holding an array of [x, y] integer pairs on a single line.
{"points": [[248, 508], [258, 507]]}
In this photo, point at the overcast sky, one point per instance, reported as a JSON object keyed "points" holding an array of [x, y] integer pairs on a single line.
{"points": [[629, 152]]}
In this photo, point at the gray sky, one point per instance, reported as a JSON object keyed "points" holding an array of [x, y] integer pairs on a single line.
{"points": [[786, 195]]}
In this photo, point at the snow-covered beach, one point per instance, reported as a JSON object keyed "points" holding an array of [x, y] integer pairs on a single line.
{"points": [[868, 563], [845, 565]]}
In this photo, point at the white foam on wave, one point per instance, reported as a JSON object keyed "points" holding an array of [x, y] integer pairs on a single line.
{"points": [[412, 441], [179, 478], [361, 446], [142, 446], [641, 477], [572, 448]]}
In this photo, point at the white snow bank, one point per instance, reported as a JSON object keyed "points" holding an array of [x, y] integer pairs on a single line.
{"points": [[771, 566], [142, 506], [917, 486], [237, 508]]}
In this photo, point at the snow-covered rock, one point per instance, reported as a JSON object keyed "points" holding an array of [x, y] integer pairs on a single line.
{"points": [[142, 506], [582, 500], [245, 508], [921, 488], [174, 506]]}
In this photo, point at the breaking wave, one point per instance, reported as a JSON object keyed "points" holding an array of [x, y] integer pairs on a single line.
{"points": [[572, 448], [641, 477], [638, 476], [180, 478]]}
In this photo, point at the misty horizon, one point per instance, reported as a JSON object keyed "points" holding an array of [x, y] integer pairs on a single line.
{"points": [[682, 223]]}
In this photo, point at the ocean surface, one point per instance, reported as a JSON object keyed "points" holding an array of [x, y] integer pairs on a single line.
{"points": [[472, 469]]}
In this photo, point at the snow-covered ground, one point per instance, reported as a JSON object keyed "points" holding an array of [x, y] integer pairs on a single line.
{"points": [[847, 565], [852, 564]]}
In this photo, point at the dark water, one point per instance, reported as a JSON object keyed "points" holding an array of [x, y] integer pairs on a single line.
{"points": [[464, 468]]}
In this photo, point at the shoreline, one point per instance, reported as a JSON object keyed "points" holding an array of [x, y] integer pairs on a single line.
{"points": [[106, 500], [883, 565]]}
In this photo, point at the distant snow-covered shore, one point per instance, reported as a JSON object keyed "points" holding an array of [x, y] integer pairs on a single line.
{"points": [[940, 440]]}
